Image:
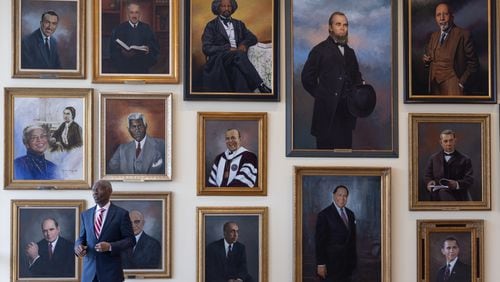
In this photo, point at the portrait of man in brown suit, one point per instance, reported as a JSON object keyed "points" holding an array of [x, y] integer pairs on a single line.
{"points": [[450, 56]]}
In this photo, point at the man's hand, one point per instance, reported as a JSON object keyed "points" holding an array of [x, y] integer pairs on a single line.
{"points": [[32, 251], [430, 184], [427, 59], [128, 54], [242, 48], [102, 247], [452, 184], [322, 271], [81, 250]]}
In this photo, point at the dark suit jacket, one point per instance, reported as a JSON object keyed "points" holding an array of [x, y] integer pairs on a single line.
{"points": [[141, 35], [459, 169], [146, 254], [62, 263], [117, 230], [465, 61], [74, 135], [33, 54], [219, 268], [150, 161], [461, 273], [335, 243], [328, 75], [215, 44]]}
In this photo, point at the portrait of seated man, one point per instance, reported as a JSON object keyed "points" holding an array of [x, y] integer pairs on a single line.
{"points": [[146, 254], [236, 166], [34, 165], [53, 255], [143, 155], [448, 172], [39, 49], [225, 43]]}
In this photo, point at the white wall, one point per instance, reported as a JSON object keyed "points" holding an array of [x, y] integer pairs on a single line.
{"points": [[280, 174]]}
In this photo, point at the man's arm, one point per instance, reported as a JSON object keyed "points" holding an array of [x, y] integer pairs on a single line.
{"points": [[321, 238], [468, 176], [242, 267], [310, 72], [127, 236], [246, 37], [81, 241], [212, 41], [115, 161], [429, 178]]}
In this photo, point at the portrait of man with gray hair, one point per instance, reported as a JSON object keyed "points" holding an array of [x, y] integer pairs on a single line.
{"points": [[143, 155]]}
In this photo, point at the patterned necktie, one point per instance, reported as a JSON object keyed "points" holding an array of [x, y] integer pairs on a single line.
{"points": [[98, 223], [441, 39], [51, 252], [447, 272], [138, 150], [344, 217], [230, 251]]}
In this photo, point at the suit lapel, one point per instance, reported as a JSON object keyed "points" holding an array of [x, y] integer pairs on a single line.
{"points": [[109, 218], [222, 30]]}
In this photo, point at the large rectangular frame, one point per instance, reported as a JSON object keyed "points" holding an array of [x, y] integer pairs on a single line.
{"points": [[419, 23], [432, 233], [164, 25], [73, 59], [252, 234], [212, 127], [44, 107], [261, 17], [151, 205], [373, 31], [313, 192], [156, 107], [63, 211], [466, 128]]}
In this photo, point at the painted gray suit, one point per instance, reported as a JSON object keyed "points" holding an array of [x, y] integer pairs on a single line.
{"points": [[150, 161]]}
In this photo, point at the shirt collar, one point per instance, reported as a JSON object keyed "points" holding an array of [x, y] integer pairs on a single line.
{"points": [[106, 206], [142, 142], [43, 35]]}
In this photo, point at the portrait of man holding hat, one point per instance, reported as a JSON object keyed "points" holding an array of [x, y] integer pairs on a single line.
{"points": [[331, 75]]}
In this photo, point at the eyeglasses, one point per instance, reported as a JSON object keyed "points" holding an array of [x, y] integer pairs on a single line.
{"points": [[38, 137]]}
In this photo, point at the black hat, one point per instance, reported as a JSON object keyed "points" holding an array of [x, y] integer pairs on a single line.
{"points": [[362, 101]]}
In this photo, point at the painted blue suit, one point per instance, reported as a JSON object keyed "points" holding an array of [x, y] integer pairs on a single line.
{"points": [[117, 230], [33, 54]]}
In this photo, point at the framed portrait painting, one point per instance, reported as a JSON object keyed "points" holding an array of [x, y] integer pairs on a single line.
{"points": [[342, 224], [49, 39], [449, 51], [232, 244], [135, 41], [450, 161], [43, 235], [136, 136], [48, 142], [341, 69], [450, 250], [150, 215], [232, 50], [232, 154]]}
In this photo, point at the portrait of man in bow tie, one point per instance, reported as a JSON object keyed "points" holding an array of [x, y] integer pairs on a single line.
{"points": [[448, 173]]}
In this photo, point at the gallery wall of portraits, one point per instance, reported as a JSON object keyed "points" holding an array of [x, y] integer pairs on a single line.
{"points": [[261, 156]]}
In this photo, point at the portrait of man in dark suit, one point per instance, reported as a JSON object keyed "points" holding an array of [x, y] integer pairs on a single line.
{"points": [[454, 270], [146, 254], [53, 255], [105, 232], [335, 239], [226, 259], [39, 50], [448, 173], [143, 155]]}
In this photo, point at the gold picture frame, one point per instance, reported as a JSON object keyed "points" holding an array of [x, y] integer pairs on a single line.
{"points": [[368, 200], [471, 164], [466, 235], [57, 163], [155, 208], [67, 57], [157, 17], [155, 162], [247, 173], [252, 223], [28, 220]]}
